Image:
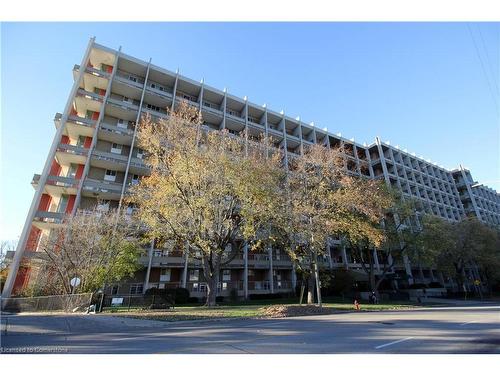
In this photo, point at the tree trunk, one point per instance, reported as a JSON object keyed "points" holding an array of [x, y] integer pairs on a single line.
{"points": [[316, 276], [211, 271], [211, 292], [310, 289]]}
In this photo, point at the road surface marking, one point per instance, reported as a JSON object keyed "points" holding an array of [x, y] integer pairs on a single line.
{"points": [[392, 343], [463, 324]]}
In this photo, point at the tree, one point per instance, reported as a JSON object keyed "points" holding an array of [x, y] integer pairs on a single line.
{"points": [[208, 190], [323, 201], [97, 247], [5, 246], [457, 246], [388, 236]]}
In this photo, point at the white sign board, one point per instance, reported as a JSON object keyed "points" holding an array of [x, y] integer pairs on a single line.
{"points": [[116, 301], [75, 281]]}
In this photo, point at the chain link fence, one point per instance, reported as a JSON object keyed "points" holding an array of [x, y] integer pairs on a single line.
{"points": [[67, 303]]}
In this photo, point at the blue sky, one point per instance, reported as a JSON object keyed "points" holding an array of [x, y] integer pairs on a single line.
{"points": [[422, 86]]}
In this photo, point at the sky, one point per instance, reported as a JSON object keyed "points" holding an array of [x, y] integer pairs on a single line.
{"points": [[431, 88]]}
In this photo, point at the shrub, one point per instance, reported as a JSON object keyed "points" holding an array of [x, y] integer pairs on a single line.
{"points": [[417, 286], [181, 295], [436, 284], [266, 296], [233, 295], [193, 300], [178, 295], [219, 299]]}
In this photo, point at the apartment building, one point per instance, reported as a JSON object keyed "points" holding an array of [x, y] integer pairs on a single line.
{"points": [[93, 159]]}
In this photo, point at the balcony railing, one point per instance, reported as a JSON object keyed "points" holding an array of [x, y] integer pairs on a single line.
{"points": [[82, 120], [89, 95], [66, 182], [108, 156], [102, 186], [116, 129], [49, 217], [71, 149], [124, 105]]}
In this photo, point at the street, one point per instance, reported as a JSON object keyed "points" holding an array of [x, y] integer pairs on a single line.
{"points": [[443, 330]]}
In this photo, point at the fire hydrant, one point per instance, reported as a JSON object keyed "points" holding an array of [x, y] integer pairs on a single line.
{"points": [[356, 305]]}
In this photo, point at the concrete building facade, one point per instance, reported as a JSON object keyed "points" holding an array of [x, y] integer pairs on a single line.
{"points": [[93, 160]]}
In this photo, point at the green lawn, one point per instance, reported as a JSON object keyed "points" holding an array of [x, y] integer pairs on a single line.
{"points": [[250, 309]]}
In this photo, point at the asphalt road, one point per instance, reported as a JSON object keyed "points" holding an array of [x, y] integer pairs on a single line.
{"points": [[466, 329]]}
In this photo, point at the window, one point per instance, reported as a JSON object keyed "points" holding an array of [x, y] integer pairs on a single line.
{"points": [[165, 274], [194, 275], [226, 275], [72, 170], [114, 289], [153, 85], [135, 179], [153, 107], [136, 289], [132, 78], [251, 273], [126, 99], [121, 124], [110, 175], [103, 206], [63, 203], [116, 148], [130, 210], [140, 153], [81, 141]]}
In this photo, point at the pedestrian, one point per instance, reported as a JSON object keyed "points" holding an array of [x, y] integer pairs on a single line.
{"points": [[374, 298], [356, 305]]}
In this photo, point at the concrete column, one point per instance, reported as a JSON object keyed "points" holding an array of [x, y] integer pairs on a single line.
{"points": [[245, 270], [375, 257], [148, 270], [294, 278], [441, 278], [185, 272], [329, 254], [433, 277], [94, 134], [344, 256], [21, 245], [174, 92], [134, 136], [271, 278], [407, 266]]}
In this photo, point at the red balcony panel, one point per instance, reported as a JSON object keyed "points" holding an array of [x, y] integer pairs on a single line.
{"points": [[95, 116], [88, 142], [44, 202], [71, 203], [73, 112], [79, 171], [55, 169], [65, 139], [101, 92], [33, 238], [22, 279]]}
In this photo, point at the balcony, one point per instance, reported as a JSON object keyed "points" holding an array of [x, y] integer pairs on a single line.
{"points": [[48, 219], [174, 259], [127, 106], [113, 133], [57, 185], [108, 160], [129, 79], [67, 154], [102, 189]]}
